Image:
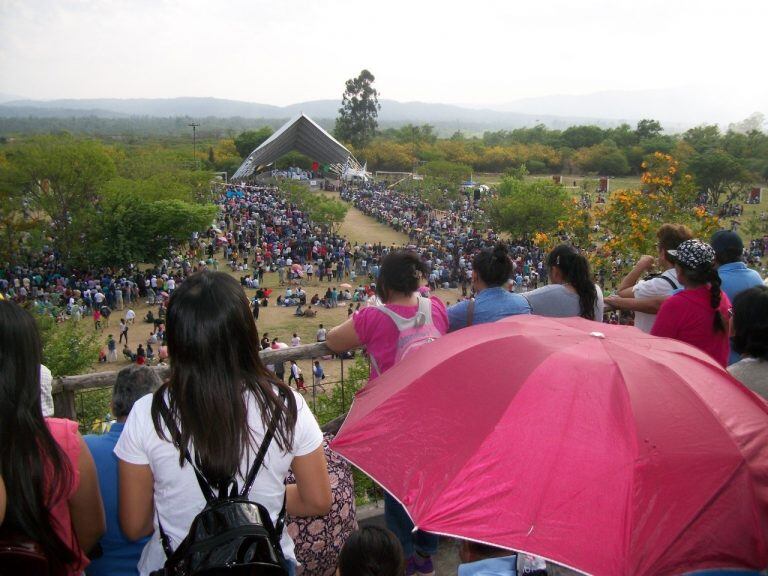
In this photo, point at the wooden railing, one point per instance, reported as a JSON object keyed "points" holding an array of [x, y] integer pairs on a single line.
{"points": [[64, 388]]}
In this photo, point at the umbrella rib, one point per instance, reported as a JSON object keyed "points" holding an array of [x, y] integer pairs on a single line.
{"points": [[704, 404], [742, 463], [701, 510]]}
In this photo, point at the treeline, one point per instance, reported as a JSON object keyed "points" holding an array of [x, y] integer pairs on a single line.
{"points": [[618, 151], [95, 204]]}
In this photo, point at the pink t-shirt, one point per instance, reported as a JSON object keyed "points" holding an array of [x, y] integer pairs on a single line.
{"points": [[65, 434], [378, 333], [688, 316]]}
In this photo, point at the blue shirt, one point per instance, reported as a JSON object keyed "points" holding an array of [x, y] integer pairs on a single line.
{"points": [[490, 305], [121, 556], [506, 566], [735, 277]]}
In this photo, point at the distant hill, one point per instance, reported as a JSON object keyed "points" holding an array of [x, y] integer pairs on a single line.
{"points": [[446, 116], [677, 109]]}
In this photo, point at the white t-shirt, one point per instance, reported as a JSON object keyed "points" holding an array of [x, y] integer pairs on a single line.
{"points": [[650, 289], [178, 498]]}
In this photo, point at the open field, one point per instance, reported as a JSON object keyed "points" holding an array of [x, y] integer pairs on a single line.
{"points": [[275, 320]]}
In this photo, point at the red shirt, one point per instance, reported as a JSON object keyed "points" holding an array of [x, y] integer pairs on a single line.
{"points": [[688, 316], [65, 434]]}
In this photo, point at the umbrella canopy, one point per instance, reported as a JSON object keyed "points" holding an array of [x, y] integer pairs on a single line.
{"points": [[345, 285], [611, 452]]}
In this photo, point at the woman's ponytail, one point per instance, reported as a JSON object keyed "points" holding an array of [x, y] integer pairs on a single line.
{"points": [[575, 269], [715, 295]]}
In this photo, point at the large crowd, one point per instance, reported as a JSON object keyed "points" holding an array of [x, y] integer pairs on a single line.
{"points": [[131, 501]]}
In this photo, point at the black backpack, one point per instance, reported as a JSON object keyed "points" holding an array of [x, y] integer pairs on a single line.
{"points": [[232, 536]]}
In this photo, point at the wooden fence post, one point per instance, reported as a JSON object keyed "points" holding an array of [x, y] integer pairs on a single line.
{"points": [[64, 404]]}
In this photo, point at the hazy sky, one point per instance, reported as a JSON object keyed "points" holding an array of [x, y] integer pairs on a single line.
{"points": [[281, 52]]}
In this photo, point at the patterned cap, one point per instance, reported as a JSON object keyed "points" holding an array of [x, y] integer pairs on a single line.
{"points": [[693, 253]]}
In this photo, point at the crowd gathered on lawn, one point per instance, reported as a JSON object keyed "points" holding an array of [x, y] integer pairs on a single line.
{"points": [[124, 502]]}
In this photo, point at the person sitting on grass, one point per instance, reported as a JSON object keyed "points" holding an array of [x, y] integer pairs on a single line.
{"points": [[128, 353]]}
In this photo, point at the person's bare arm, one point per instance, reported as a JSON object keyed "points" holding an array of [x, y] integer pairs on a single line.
{"points": [[644, 264], [646, 305], [85, 505], [343, 337], [311, 495], [136, 503]]}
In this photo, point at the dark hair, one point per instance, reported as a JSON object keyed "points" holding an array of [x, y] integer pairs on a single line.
{"points": [[493, 265], [371, 551], [575, 270], [401, 271], [483, 551], [750, 322], [214, 344], [131, 384], [707, 274], [670, 236], [37, 474]]}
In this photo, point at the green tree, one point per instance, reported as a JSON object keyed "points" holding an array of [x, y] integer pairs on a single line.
{"points": [[703, 138], [451, 173], [357, 121], [526, 207], [647, 129], [581, 136], [717, 172], [246, 142], [168, 223], [60, 177], [16, 220], [327, 212]]}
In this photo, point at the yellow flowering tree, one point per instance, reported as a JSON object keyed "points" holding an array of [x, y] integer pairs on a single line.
{"points": [[630, 218]]}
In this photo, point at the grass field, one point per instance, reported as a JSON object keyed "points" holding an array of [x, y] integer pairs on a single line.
{"points": [[275, 320]]}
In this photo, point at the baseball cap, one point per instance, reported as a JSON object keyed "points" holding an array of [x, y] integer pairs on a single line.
{"points": [[727, 242], [693, 253]]}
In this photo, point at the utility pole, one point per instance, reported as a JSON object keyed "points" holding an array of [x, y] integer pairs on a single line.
{"points": [[194, 143]]}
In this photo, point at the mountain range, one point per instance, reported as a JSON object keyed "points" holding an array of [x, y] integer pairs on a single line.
{"points": [[676, 109]]}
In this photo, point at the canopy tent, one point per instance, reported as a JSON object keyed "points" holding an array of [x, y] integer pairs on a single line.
{"points": [[302, 134]]}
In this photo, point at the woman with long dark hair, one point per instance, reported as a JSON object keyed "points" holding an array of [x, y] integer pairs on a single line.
{"points": [[379, 329], [749, 329], [50, 478], [491, 271], [571, 291], [222, 399], [697, 315]]}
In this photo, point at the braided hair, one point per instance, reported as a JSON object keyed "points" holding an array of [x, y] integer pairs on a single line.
{"points": [[575, 269], [707, 274]]}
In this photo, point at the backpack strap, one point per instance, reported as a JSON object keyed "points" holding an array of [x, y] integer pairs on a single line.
{"points": [[423, 316], [470, 313], [269, 434], [205, 486], [670, 281]]}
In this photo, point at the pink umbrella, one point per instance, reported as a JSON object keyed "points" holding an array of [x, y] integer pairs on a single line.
{"points": [[595, 446]]}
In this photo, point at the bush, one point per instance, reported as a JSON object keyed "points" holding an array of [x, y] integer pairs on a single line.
{"points": [[67, 348]]}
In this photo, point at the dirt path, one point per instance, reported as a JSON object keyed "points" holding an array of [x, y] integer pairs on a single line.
{"points": [[357, 227]]}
